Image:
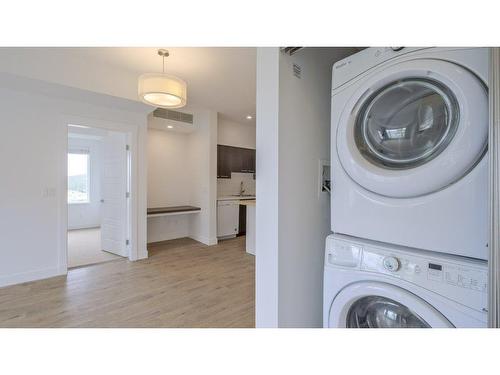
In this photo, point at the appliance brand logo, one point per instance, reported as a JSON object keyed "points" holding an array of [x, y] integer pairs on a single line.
{"points": [[341, 65]]}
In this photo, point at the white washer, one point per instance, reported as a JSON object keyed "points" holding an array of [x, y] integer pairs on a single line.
{"points": [[409, 137], [371, 285]]}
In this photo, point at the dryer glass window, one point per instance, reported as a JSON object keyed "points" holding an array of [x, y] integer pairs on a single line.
{"points": [[381, 312], [406, 123]]}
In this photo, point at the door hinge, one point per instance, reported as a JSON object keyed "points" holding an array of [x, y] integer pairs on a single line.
{"points": [[127, 194], [127, 242], [127, 147]]}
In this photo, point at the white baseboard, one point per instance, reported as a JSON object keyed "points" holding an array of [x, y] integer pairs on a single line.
{"points": [[84, 226], [143, 254], [204, 240], [166, 236], [24, 277], [227, 237]]}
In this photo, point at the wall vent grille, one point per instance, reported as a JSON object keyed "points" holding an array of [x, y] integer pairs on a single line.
{"points": [[297, 71], [291, 50], [168, 114]]}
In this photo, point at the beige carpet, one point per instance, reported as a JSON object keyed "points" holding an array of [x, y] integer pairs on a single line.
{"points": [[84, 247]]}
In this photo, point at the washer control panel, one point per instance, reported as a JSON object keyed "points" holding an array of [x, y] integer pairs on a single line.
{"points": [[461, 279], [391, 263]]}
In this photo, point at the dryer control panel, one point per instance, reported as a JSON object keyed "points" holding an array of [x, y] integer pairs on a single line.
{"points": [[348, 68], [460, 279]]}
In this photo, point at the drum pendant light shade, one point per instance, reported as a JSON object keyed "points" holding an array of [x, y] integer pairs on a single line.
{"points": [[161, 89]]}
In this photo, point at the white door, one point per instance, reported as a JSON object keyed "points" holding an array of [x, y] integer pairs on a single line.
{"points": [[380, 305], [414, 128], [227, 218], [114, 184]]}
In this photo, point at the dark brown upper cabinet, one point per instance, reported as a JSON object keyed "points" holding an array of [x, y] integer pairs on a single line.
{"points": [[234, 159]]}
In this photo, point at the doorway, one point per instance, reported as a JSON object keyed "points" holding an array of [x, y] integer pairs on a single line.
{"points": [[98, 195]]}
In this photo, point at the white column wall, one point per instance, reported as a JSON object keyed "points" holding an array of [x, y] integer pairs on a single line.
{"points": [[293, 218], [267, 213]]}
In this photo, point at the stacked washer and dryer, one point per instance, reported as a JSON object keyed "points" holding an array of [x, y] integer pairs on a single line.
{"points": [[409, 200]]}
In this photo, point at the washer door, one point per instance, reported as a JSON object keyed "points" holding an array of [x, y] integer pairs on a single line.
{"points": [[413, 128], [381, 305]]}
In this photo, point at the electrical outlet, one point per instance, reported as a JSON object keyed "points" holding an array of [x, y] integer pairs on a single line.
{"points": [[324, 177], [49, 192]]}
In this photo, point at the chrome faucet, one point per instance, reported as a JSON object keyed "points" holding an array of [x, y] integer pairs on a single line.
{"points": [[242, 190]]}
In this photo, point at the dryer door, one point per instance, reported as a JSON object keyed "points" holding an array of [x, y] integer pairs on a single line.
{"points": [[380, 305], [413, 128]]}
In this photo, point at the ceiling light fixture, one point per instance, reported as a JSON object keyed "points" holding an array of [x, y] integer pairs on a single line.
{"points": [[170, 127], [249, 117], [161, 89]]}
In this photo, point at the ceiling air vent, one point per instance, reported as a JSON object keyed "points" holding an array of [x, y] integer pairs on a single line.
{"points": [[168, 114]]}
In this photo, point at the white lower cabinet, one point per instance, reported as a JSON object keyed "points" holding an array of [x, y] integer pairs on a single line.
{"points": [[228, 217]]}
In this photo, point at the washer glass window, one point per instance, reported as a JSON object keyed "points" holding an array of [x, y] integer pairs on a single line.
{"points": [[381, 312], [406, 123]]}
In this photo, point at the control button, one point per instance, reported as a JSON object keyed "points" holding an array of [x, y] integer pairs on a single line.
{"points": [[391, 264], [417, 269], [451, 277], [464, 281], [435, 275]]}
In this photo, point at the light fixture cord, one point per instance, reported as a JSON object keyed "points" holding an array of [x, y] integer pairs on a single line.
{"points": [[163, 64]]}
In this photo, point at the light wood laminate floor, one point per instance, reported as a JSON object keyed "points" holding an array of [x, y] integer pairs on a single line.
{"points": [[182, 284]]}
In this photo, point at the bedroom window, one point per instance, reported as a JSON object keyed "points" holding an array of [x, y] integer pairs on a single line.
{"points": [[78, 177]]}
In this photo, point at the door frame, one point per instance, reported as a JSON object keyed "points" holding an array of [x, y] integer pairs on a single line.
{"points": [[131, 133]]}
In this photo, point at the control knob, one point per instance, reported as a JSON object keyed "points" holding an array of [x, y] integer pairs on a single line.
{"points": [[391, 264]]}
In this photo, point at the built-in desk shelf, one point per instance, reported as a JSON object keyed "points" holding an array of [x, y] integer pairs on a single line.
{"points": [[172, 210]]}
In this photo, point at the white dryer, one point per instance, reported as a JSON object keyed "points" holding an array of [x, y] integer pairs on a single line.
{"points": [[409, 137], [371, 285]]}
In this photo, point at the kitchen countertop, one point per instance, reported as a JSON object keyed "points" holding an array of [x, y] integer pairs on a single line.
{"points": [[235, 198], [248, 202]]}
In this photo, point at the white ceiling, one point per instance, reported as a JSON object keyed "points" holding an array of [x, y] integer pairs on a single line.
{"points": [[222, 79]]}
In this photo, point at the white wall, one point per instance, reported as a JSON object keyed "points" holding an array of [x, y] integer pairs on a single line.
{"points": [[169, 182], [33, 217], [293, 220], [87, 215], [182, 171], [169, 178], [235, 134]]}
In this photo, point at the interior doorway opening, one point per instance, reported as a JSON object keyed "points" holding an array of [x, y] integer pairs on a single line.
{"points": [[98, 195]]}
